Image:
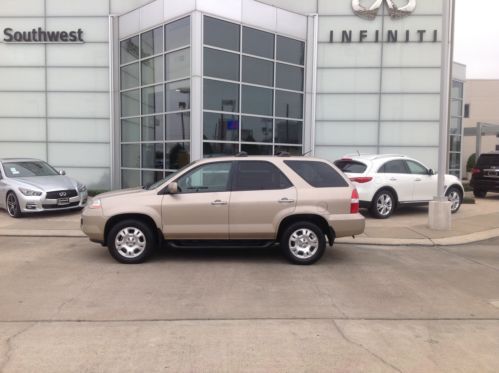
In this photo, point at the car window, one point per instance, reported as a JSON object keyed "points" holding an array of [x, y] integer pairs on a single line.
{"points": [[394, 167], [416, 168], [258, 175], [212, 177], [350, 166], [317, 174]]}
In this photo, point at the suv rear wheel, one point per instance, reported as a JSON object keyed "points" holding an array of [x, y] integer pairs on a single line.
{"points": [[479, 193], [303, 243], [383, 204], [131, 241]]}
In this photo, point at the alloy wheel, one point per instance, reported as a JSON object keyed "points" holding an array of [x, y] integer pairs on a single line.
{"points": [[303, 243], [455, 199], [384, 204], [130, 242], [12, 207]]}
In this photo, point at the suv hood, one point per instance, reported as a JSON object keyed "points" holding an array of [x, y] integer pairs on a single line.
{"points": [[121, 192], [47, 183]]}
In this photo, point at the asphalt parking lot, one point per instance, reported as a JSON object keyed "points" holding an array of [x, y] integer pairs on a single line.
{"points": [[67, 306]]}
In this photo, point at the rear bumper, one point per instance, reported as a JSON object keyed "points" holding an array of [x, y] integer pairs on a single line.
{"points": [[485, 185], [345, 225]]}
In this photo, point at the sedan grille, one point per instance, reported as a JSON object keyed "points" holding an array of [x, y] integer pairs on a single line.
{"points": [[62, 194]]}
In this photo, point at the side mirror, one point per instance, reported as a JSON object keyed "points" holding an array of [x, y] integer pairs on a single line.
{"points": [[172, 188], [62, 172], [431, 172]]}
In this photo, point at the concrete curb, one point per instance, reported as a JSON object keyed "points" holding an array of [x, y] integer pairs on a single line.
{"points": [[41, 233]]}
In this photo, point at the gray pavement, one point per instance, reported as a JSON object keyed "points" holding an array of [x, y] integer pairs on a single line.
{"points": [[67, 306]]}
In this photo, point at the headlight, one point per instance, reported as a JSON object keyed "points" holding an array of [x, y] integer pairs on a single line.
{"points": [[29, 192], [81, 188], [96, 204]]}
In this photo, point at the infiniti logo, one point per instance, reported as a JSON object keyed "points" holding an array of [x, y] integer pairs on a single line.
{"points": [[62, 194], [393, 10]]}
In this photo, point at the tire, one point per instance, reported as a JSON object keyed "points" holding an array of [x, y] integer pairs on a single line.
{"points": [[12, 204], [383, 204], [303, 243], [455, 196], [131, 241], [479, 193]]}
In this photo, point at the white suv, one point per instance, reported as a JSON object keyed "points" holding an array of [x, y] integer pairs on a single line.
{"points": [[387, 181]]}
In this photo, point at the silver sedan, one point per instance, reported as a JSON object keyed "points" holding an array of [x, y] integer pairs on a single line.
{"points": [[31, 185]]}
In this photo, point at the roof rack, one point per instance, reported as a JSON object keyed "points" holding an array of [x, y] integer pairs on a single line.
{"points": [[282, 154], [241, 154]]}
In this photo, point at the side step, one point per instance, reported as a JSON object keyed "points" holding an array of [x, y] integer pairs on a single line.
{"points": [[219, 244]]}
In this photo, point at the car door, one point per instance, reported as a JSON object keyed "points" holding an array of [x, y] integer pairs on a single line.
{"points": [[261, 196], [425, 185], [200, 209], [3, 189], [395, 173]]}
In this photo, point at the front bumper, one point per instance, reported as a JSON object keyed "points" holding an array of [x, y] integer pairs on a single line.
{"points": [[345, 225], [93, 223], [31, 204]]}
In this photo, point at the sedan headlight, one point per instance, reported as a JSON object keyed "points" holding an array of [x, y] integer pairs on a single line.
{"points": [[81, 188], [96, 204], [29, 192]]}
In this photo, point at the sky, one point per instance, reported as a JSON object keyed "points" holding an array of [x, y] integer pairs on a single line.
{"points": [[476, 37]]}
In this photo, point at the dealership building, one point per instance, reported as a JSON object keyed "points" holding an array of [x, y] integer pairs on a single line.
{"points": [[120, 93]]}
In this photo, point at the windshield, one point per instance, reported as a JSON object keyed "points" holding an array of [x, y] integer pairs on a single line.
{"points": [[28, 169], [159, 182]]}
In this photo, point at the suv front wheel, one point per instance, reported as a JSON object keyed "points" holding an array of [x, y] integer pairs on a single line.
{"points": [[303, 243], [131, 241]]}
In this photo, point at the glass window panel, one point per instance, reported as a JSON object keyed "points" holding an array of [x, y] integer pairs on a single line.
{"points": [[256, 100], [130, 129], [457, 89], [152, 99], [254, 129], [290, 50], [220, 127], [219, 149], [130, 76], [213, 177], [259, 43], [258, 71], [130, 178], [152, 128], [455, 126], [178, 95], [177, 155], [289, 77], [178, 34], [416, 168], [130, 103], [221, 33], [151, 42], [288, 131], [292, 150], [456, 108], [129, 49], [178, 64], [152, 156], [178, 126], [256, 149], [288, 104], [130, 155], [455, 143], [221, 96], [258, 175], [152, 70], [150, 177], [455, 160], [219, 64]]}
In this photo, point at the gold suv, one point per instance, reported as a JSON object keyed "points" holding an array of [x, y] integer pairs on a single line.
{"points": [[298, 202]]}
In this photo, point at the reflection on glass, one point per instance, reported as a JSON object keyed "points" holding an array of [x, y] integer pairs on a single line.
{"points": [[130, 129], [292, 150], [289, 77], [152, 128], [130, 103], [152, 70], [130, 76], [219, 64], [288, 131], [455, 143], [152, 156], [455, 160], [259, 43], [150, 177], [255, 129], [177, 155], [130, 178], [221, 96], [221, 34], [258, 71], [151, 42], [177, 34], [152, 99], [130, 155], [455, 126], [220, 127], [129, 50], [290, 50], [456, 109], [288, 104], [256, 149], [217, 149], [178, 64], [256, 100], [457, 89], [178, 95], [178, 126]]}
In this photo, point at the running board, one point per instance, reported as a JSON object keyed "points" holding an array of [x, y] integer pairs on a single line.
{"points": [[219, 244]]}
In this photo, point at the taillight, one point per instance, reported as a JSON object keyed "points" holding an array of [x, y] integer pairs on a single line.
{"points": [[475, 171], [354, 202], [361, 180]]}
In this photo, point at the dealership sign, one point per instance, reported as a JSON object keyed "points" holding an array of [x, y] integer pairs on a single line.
{"points": [[41, 36], [393, 10]]}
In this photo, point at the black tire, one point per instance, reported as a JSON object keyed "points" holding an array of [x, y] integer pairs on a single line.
{"points": [[383, 204], [12, 205], [312, 238], [138, 241], [479, 193], [455, 196]]}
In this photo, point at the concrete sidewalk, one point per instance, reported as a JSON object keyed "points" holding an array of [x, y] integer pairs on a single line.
{"points": [[408, 226]]}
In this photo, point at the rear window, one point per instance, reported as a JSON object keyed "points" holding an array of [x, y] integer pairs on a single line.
{"points": [[317, 174], [488, 160], [351, 166]]}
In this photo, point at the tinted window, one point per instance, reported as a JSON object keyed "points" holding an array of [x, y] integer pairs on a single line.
{"points": [[129, 49], [178, 95], [288, 131], [152, 70], [221, 96], [258, 71], [289, 77], [223, 127], [288, 104], [394, 167], [351, 166], [178, 34], [290, 50], [488, 160], [221, 33], [213, 177], [152, 99], [178, 64], [255, 129], [221, 64], [258, 175], [317, 174], [151, 42], [416, 168], [256, 100], [258, 42]]}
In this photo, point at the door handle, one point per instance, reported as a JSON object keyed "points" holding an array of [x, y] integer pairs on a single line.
{"points": [[218, 202], [393, 179], [418, 179], [286, 200]]}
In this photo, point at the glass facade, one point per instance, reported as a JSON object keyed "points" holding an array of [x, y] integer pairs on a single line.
{"points": [[253, 89], [456, 128], [155, 89]]}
